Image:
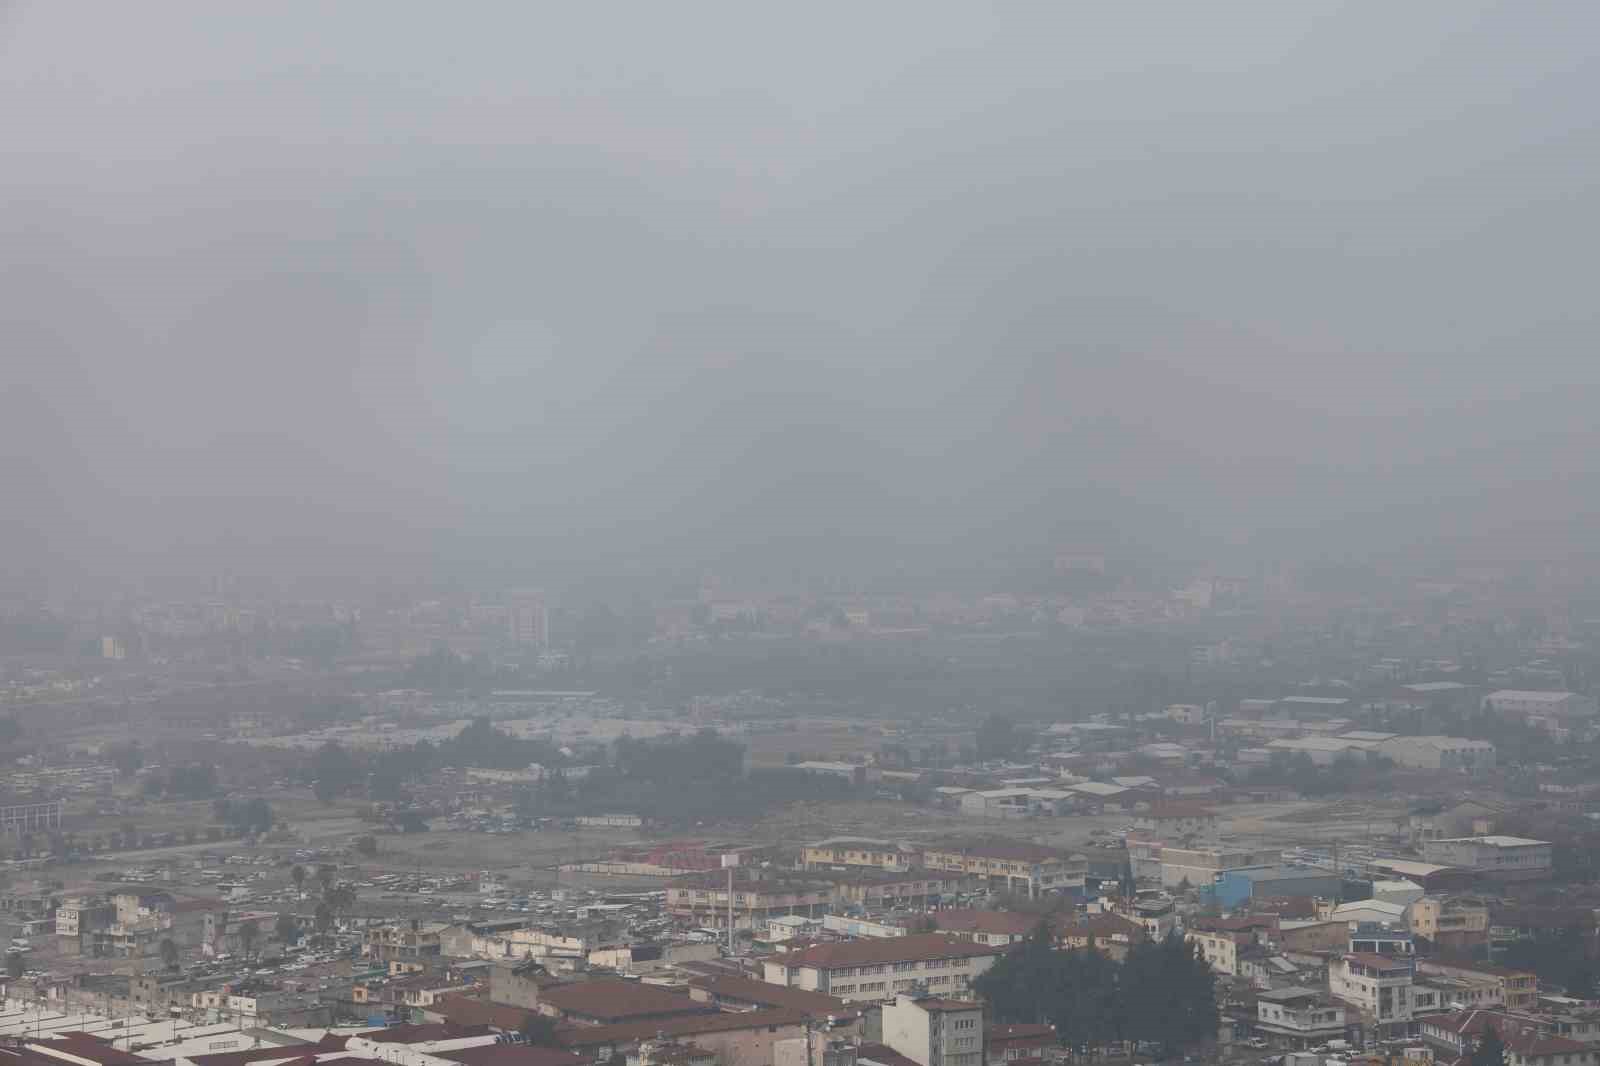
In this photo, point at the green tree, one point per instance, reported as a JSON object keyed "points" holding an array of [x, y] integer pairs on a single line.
{"points": [[1023, 986], [322, 920], [297, 874], [325, 877], [997, 738], [16, 966], [287, 928], [249, 933], [1490, 1050], [169, 953], [539, 1030], [1168, 995]]}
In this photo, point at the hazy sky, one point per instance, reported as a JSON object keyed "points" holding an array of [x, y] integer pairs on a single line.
{"points": [[395, 285]]}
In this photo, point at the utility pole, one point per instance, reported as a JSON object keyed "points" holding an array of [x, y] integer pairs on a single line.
{"points": [[730, 859]]}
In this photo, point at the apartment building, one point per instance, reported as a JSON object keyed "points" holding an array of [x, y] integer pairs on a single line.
{"points": [[1497, 858], [934, 1031], [1027, 869], [1177, 821], [1379, 986], [404, 940], [1519, 989], [876, 970], [1450, 924], [1198, 867], [859, 851], [758, 896]]}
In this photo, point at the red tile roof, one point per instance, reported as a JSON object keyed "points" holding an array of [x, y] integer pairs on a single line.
{"points": [[916, 948], [1108, 926], [687, 1025], [976, 921], [466, 1010], [766, 994], [997, 849], [329, 1043], [86, 1046], [512, 1055], [883, 1054], [417, 1034], [1021, 1032], [610, 999]]}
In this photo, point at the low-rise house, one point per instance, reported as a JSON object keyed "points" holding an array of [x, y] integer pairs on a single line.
{"points": [[1299, 1017], [1019, 1043], [1111, 934]]}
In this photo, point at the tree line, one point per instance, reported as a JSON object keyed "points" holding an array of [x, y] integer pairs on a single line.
{"points": [[1162, 994]]}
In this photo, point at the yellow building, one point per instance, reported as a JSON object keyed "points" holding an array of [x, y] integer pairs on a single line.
{"points": [[859, 851]]}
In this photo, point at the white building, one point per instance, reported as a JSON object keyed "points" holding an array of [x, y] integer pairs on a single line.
{"points": [[1300, 1015], [933, 1031], [1375, 911], [1404, 893], [1378, 985], [1554, 712], [1501, 858], [879, 969]]}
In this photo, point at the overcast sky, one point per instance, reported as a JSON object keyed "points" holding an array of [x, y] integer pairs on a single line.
{"points": [[348, 286]]}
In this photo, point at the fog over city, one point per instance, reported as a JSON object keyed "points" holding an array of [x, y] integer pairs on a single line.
{"points": [[406, 287], [739, 534]]}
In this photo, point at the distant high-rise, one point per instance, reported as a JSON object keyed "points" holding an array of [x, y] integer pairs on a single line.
{"points": [[529, 621]]}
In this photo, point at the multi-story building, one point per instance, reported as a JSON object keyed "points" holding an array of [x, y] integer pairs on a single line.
{"points": [[758, 896], [1009, 1043], [1199, 867], [984, 927], [1497, 858], [1376, 984], [1450, 923], [876, 970], [1299, 1017], [1529, 1040], [1439, 753], [1177, 821], [1027, 869], [1519, 989], [859, 851], [933, 1031], [1558, 713], [404, 940], [79, 915]]}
